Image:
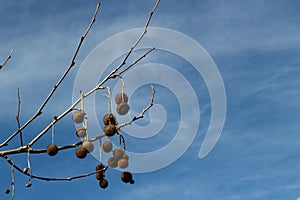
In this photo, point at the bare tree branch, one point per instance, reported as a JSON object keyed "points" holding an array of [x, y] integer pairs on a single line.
{"points": [[48, 178], [134, 63], [7, 59], [18, 117], [99, 86], [72, 63]]}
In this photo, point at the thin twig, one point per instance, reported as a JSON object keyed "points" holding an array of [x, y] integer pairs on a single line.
{"points": [[142, 113], [132, 64], [18, 118], [141, 36], [27, 148], [72, 63], [49, 178], [7, 59]]}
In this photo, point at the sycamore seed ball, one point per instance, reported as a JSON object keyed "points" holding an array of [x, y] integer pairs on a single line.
{"points": [[125, 156], [110, 130], [107, 146], [78, 117], [122, 108], [123, 163], [126, 177], [89, 146], [109, 119], [81, 153], [52, 149], [118, 153], [119, 98], [81, 132], [99, 167], [7, 191], [103, 183], [112, 162]]}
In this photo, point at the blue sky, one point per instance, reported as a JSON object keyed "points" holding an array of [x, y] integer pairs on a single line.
{"points": [[255, 45]]}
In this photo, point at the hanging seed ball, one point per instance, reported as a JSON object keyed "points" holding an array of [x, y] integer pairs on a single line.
{"points": [[119, 98], [109, 119], [107, 146], [81, 132], [125, 156], [112, 162], [89, 146], [29, 184], [81, 153], [123, 163], [103, 183], [99, 167], [7, 191], [126, 177], [78, 117], [110, 130], [122, 108], [100, 176], [52, 149], [118, 153]]}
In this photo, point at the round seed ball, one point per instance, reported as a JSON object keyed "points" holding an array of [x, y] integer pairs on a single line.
{"points": [[132, 182], [118, 153], [89, 146], [100, 176], [81, 132], [119, 98], [126, 177], [125, 156], [107, 146], [123, 163], [78, 117], [103, 183], [122, 108], [112, 162], [110, 130], [109, 119], [81, 153], [99, 167], [52, 149]]}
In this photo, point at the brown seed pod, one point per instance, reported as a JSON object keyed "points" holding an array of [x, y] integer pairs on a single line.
{"points": [[81, 132], [7, 191], [119, 98], [123, 163], [112, 162], [126, 177], [52, 149], [109, 119], [81, 152], [78, 117], [110, 130], [100, 176], [118, 153], [122, 108], [107, 146], [89, 146], [103, 183], [99, 167], [125, 156]]}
